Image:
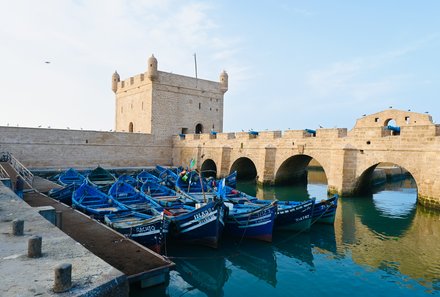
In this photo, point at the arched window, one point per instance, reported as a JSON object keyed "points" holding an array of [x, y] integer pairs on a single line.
{"points": [[130, 127], [199, 128]]}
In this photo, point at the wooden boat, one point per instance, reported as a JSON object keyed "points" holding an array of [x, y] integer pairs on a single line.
{"points": [[93, 202], [202, 224], [101, 178], [128, 179], [149, 230], [231, 180], [167, 175], [191, 182], [290, 215], [192, 220], [132, 199], [144, 176], [70, 176], [248, 220], [63, 194], [325, 210]]}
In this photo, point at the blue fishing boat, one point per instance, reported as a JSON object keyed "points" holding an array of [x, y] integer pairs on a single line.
{"points": [[149, 230], [201, 224], [325, 210], [191, 182], [132, 198], [70, 176], [167, 175], [101, 178], [247, 219], [128, 179], [250, 220], [63, 194], [192, 220], [93, 202], [144, 176], [231, 180]]}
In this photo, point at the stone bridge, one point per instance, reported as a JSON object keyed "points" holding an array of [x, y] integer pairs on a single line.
{"points": [[347, 157]]}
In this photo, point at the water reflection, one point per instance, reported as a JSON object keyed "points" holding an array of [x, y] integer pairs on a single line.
{"points": [[381, 243]]}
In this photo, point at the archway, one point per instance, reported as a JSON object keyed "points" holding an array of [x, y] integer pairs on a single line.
{"points": [[130, 127], [245, 168], [295, 169], [209, 168], [199, 128], [379, 174]]}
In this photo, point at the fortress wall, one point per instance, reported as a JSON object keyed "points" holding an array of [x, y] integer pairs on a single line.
{"points": [[59, 149]]}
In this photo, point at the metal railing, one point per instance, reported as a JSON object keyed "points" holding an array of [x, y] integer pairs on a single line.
{"points": [[3, 173], [20, 168]]}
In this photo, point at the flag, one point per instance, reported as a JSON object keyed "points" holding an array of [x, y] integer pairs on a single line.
{"points": [[192, 163], [221, 189]]}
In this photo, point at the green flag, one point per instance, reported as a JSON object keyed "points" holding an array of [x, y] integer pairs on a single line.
{"points": [[192, 163]]}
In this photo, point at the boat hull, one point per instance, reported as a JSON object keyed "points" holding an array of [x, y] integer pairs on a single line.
{"points": [[324, 211], [256, 224], [149, 233], [203, 226], [295, 217]]}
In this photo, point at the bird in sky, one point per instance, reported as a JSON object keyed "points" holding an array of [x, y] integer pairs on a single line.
{"points": [[47, 62]]}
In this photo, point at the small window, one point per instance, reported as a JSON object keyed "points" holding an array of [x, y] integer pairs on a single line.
{"points": [[142, 105], [376, 120], [210, 108], [407, 120], [184, 130], [368, 142], [212, 126], [200, 105], [130, 127]]}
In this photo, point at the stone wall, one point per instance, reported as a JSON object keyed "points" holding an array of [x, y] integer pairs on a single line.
{"points": [[53, 148], [347, 157]]}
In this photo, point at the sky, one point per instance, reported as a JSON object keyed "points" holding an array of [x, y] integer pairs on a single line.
{"points": [[291, 64]]}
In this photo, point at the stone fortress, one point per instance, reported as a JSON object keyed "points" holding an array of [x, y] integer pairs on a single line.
{"points": [[168, 119]]}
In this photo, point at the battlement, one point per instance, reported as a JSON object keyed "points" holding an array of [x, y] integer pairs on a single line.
{"points": [[133, 81]]}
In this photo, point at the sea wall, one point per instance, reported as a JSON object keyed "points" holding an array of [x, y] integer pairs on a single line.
{"points": [[58, 149]]}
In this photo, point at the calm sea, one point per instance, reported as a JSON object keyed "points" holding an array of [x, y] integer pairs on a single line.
{"points": [[382, 244]]}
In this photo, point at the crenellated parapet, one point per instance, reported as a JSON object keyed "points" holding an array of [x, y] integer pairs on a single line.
{"points": [[348, 157]]}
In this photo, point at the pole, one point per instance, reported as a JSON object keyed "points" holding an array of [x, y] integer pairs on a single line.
{"points": [[195, 63]]}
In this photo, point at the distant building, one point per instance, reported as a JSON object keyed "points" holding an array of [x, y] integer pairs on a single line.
{"points": [[166, 104]]}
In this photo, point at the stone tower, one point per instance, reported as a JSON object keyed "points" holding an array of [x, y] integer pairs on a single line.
{"points": [[167, 104], [115, 80]]}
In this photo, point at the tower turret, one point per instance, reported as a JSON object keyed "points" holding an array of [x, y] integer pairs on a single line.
{"points": [[115, 80], [152, 68], [223, 81]]}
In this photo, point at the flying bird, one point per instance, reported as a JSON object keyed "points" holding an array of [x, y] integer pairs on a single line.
{"points": [[47, 62]]}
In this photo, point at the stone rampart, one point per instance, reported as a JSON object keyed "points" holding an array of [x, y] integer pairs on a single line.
{"points": [[54, 148]]}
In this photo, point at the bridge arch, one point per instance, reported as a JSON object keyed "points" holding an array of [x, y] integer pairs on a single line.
{"points": [[209, 168], [294, 169], [245, 167], [368, 178]]}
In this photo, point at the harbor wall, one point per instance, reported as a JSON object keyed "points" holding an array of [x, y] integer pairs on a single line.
{"points": [[60, 149]]}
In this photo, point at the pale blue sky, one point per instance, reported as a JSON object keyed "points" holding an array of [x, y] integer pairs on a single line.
{"points": [[291, 64]]}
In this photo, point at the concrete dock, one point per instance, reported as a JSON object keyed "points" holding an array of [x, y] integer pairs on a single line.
{"points": [[103, 261], [24, 276]]}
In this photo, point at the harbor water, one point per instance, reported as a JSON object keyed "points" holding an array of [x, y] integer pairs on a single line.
{"points": [[382, 244]]}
